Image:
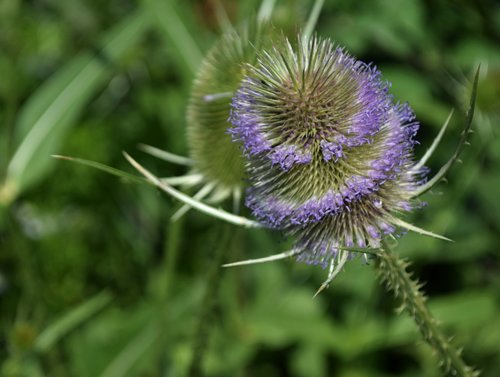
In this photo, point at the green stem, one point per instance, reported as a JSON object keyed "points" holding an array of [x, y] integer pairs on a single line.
{"points": [[393, 272], [265, 10], [174, 231], [171, 256], [208, 305], [313, 18]]}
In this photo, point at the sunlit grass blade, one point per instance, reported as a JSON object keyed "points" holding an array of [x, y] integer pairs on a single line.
{"points": [[461, 144], [54, 107], [71, 320], [105, 168]]}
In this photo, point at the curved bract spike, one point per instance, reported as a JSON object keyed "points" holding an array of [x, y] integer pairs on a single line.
{"points": [[105, 168], [184, 180], [413, 228], [237, 194], [201, 194], [217, 96], [202, 207], [335, 268], [359, 250], [219, 194], [271, 258], [433, 146], [462, 142], [165, 156]]}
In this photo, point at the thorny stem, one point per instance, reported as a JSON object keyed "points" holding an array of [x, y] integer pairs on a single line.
{"points": [[393, 272], [208, 305]]}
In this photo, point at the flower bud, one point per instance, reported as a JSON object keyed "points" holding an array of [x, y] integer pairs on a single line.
{"points": [[329, 151], [213, 154]]}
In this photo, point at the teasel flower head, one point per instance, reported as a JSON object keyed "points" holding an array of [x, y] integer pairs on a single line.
{"points": [[330, 154]]}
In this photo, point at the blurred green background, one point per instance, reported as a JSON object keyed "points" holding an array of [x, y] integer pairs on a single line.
{"points": [[96, 281]]}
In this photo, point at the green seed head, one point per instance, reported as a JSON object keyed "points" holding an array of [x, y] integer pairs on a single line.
{"points": [[220, 74]]}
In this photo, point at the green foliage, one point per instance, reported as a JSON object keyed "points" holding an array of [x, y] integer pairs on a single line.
{"points": [[93, 78], [44, 119]]}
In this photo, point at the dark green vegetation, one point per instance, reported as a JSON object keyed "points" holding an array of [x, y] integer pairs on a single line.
{"points": [[96, 281]]}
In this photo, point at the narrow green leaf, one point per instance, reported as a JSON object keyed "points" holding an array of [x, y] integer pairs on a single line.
{"points": [[55, 106], [71, 320], [132, 352], [176, 33], [313, 18]]}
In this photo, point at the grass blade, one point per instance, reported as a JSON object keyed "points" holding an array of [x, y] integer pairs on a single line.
{"points": [[51, 110], [174, 29], [71, 320], [133, 351]]}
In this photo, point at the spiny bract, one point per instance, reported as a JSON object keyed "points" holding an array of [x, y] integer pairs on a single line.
{"points": [[329, 151]]}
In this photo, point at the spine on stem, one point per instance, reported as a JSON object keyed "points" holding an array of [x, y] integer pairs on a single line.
{"points": [[393, 272]]}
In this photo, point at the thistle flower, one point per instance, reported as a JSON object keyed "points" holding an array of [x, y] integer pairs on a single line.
{"points": [[330, 162], [330, 154], [329, 158]]}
